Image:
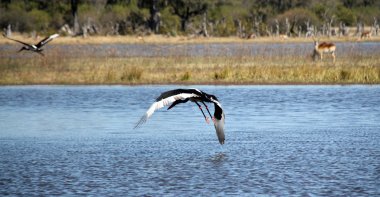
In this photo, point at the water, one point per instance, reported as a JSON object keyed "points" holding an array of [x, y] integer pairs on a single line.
{"points": [[280, 140], [194, 50]]}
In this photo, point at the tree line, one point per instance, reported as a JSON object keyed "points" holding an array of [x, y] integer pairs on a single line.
{"points": [[241, 18]]}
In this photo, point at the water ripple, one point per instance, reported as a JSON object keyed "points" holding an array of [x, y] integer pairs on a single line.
{"points": [[280, 141]]}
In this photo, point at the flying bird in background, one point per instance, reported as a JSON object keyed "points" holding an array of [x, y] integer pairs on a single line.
{"points": [[37, 47], [174, 97]]}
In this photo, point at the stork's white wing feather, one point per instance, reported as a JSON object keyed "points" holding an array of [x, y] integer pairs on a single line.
{"points": [[162, 103], [46, 40], [217, 102], [54, 36]]}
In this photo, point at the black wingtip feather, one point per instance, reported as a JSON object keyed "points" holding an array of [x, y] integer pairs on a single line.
{"points": [[141, 121]]}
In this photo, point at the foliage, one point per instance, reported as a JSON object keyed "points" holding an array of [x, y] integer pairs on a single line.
{"points": [[298, 17], [170, 23], [347, 16], [224, 17], [40, 19]]}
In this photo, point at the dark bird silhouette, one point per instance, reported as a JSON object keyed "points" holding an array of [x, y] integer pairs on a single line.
{"points": [[37, 47], [177, 96]]}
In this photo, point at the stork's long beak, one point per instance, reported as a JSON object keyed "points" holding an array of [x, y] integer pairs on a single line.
{"points": [[21, 50]]}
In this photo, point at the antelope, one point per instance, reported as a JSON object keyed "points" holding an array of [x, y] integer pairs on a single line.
{"points": [[324, 47], [283, 36], [140, 38], [366, 34]]}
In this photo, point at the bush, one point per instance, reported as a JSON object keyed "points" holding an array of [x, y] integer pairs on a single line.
{"points": [[366, 14], [186, 76], [40, 19], [346, 15], [170, 23], [131, 74], [17, 16]]}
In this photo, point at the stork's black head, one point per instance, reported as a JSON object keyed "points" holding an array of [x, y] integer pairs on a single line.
{"points": [[213, 97]]}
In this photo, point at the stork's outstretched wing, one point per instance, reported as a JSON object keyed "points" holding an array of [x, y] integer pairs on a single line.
{"points": [[26, 44], [163, 100], [46, 40]]}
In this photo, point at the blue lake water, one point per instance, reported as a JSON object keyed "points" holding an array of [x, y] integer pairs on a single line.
{"points": [[280, 141]]}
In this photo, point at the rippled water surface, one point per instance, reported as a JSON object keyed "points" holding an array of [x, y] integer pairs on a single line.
{"points": [[280, 140]]}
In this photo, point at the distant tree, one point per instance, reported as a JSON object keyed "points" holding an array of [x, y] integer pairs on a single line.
{"points": [[216, 17], [169, 23], [283, 5], [74, 12], [186, 9], [154, 7], [345, 15], [359, 3], [154, 19], [298, 19]]}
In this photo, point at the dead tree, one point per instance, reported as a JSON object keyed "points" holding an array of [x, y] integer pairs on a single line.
{"points": [[341, 29], [204, 25], [329, 26], [277, 28], [256, 26], [287, 25], [84, 31], [269, 32], [375, 26], [239, 32], [8, 31], [309, 29], [299, 31], [359, 28]]}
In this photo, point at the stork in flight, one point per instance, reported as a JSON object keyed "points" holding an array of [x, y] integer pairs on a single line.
{"points": [[37, 47], [177, 96]]}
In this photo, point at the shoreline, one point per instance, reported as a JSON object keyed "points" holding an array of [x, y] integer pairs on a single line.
{"points": [[193, 84], [160, 39]]}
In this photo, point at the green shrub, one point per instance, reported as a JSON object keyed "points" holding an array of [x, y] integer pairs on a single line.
{"points": [[40, 19], [346, 15], [186, 76], [132, 74]]}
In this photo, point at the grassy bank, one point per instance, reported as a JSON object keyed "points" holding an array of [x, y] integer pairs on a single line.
{"points": [[179, 39], [353, 69]]}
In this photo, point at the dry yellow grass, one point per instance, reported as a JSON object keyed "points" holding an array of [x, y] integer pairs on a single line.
{"points": [[189, 70], [353, 68]]}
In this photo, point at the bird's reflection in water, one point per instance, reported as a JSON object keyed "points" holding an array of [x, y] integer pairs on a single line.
{"points": [[219, 158]]}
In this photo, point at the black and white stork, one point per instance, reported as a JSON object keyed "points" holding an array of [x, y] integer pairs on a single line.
{"points": [[37, 47], [177, 96]]}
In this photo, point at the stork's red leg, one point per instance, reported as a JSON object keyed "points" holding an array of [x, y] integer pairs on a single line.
{"points": [[212, 117], [200, 107]]}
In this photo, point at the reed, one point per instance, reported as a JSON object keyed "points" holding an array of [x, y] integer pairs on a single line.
{"points": [[351, 69]]}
